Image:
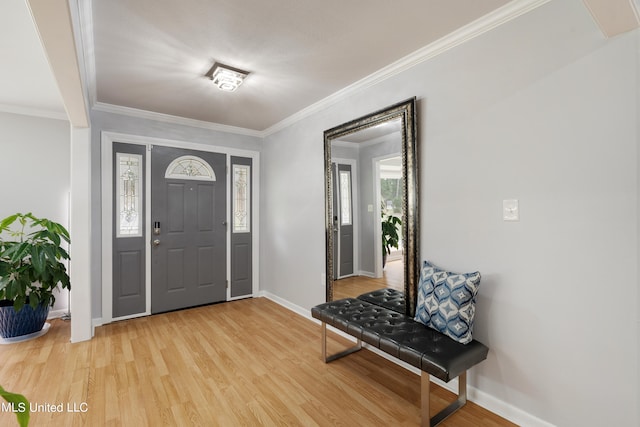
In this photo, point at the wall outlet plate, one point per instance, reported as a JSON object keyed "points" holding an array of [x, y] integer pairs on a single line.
{"points": [[510, 210]]}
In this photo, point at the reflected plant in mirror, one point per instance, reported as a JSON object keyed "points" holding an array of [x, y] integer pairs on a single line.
{"points": [[390, 234], [372, 205]]}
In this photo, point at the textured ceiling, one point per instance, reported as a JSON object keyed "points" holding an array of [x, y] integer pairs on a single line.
{"points": [[152, 54]]}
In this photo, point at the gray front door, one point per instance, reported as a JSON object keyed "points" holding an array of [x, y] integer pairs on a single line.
{"points": [[188, 214], [345, 218]]}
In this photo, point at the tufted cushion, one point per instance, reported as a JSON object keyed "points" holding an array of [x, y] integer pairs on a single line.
{"points": [[387, 298], [447, 301]]}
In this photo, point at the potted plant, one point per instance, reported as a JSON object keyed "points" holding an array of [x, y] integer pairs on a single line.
{"points": [[390, 236], [31, 268]]}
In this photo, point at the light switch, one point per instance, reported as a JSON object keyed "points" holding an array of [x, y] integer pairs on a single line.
{"points": [[370, 208], [510, 210]]}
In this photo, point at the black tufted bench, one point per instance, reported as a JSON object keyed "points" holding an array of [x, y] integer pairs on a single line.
{"points": [[410, 341]]}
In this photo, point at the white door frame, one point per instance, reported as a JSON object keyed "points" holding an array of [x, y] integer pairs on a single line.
{"points": [[377, 231], [108, 139]]}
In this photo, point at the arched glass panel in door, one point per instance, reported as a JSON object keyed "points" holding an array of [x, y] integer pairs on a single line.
{"points": [[190, 167]]}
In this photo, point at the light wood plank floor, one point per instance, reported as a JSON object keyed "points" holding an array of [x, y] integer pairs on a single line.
{"points": [[242, 363], [392, 277]]}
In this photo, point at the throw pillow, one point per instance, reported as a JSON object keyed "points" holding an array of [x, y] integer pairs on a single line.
{"points": [[447, 301]]}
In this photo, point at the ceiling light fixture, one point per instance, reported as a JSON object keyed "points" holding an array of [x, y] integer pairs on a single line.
{"points": [[225, 77]]}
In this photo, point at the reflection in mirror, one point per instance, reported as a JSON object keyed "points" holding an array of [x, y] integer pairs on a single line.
{"points": [[371, 204]]}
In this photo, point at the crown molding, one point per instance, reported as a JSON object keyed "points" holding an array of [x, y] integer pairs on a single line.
{"points": [[35, 112], [472, 30], [167, 118]]}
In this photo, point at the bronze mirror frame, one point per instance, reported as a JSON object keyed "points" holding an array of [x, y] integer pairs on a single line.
{"points": [[406, 110]]}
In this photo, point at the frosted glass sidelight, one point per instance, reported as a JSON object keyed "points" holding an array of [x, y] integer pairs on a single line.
{"points": [[190, 167], [128, 199], [345, 197], [241, 198]]}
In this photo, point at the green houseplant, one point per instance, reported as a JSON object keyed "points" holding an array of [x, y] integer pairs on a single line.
{"points": [[31, 268], [19, 405], [390, 236]]}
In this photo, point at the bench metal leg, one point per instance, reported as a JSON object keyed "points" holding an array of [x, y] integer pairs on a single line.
{"points": [[335, 356], [425, 388]]}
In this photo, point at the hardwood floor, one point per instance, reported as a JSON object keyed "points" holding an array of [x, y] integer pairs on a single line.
{"points": [[392, 277], [242, 363]]}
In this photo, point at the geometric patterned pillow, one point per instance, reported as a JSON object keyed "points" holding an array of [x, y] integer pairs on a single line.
{"points": [[447, 301]]}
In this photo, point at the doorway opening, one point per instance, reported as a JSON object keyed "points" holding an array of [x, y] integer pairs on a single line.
{"points": [[389, 210]]}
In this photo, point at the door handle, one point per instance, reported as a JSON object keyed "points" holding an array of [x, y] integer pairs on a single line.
{"points": [[156, 242]]}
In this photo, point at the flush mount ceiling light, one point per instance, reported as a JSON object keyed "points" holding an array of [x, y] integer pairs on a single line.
{"points": [[225, 77]]}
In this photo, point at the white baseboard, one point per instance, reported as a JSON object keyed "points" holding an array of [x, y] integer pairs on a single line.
{"points": [[286, 304], [505, 410], [479, 397], [367, 274], [55, 314], [94, 324]]}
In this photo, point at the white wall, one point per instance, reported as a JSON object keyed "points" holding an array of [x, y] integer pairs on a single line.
{"points": [[34, 172], [542, 109]]}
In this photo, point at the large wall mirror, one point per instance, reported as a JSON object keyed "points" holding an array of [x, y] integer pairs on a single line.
{"points": [[372, 204]]}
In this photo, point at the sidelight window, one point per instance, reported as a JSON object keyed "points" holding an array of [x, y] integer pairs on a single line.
{"points": [[129, 194], [241, 198], [345, 198]]}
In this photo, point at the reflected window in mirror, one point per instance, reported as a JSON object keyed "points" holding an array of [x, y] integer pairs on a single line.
{"points": [[345, 197]]}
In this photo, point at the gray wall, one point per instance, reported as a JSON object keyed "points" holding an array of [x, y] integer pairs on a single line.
{"points": [[34, 171], [339, 152], [102, 121], [542, 109]]}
